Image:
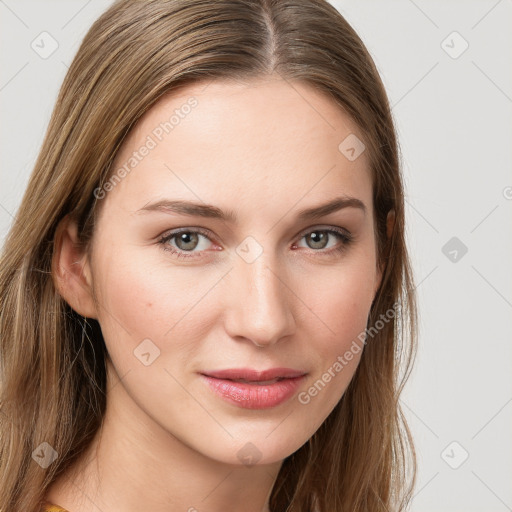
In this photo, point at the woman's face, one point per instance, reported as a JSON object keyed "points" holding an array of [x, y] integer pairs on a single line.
{"points": [[262, 288]]}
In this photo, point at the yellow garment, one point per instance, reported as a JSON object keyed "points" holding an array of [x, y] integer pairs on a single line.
{"points": [[50, 507]]}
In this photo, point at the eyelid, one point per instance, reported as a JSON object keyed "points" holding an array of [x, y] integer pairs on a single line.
{"points": [[320, 227], [207, 233]]}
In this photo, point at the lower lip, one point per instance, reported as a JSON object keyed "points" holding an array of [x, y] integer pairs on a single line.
{"points": [[254, 396]]}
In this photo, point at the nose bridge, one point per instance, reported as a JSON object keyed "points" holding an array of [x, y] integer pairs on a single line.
{"points": [[263, 286], [259, 308]]}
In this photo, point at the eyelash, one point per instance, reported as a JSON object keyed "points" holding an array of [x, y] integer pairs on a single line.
{"points": [[346, 239]]}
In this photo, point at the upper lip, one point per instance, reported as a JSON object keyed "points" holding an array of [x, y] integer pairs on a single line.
{"points": [[255, 375]]}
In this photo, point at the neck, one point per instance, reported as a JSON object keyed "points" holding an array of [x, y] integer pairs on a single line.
{"points": [[133, 464]]}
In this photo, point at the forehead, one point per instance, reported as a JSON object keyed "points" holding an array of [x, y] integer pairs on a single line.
{"points": [[234, 143]]}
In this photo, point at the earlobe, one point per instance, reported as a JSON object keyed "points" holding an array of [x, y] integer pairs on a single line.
{"points": [[390, 224], [71, 269]]}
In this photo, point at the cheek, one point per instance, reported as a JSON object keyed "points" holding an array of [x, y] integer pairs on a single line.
{"points": [[340, 302], [137, 302], [169, 306]]}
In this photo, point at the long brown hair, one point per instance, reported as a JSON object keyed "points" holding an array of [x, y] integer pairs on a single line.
{"points": [[53, 372]]}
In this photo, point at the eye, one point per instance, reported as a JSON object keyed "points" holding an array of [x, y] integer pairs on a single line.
{"points": [[187, 240], [319, 239]]}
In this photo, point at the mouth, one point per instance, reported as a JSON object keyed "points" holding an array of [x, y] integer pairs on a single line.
{"points": [[254, 390]]}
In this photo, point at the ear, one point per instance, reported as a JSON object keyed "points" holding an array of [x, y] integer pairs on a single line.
{"points": [[71, 269], [390, 224]]}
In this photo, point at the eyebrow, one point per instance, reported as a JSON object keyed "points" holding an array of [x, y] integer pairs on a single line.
{"points": [[210, 211]]}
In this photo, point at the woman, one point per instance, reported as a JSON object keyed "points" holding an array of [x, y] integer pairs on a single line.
{"points": [[206, 293]]}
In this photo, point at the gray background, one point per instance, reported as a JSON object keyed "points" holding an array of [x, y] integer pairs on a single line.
{"points": [[453, 114]]}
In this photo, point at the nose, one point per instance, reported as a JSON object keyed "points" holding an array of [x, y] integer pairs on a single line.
{"points": [[258, 305]]}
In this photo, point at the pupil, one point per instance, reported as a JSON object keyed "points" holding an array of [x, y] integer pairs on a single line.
{"points": [[186, 238], [318, 238]]}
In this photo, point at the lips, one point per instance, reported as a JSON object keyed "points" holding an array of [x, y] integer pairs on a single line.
{"points": [[254, 389], [255, 376]]}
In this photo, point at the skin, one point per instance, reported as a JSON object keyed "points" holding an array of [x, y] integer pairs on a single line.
{"points": [[264, 149]]}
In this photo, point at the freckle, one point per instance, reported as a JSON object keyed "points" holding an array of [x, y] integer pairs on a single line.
{"points": [[150, 304]]}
